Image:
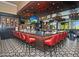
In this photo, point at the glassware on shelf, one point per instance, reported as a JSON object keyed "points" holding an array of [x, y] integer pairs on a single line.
{"points": [[16, 28]]}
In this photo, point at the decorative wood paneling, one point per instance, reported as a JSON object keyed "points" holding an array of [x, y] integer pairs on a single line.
{"points": [[42, 8]]}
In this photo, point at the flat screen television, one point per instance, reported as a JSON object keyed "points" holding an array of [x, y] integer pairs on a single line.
{"points": [[34, 19], [21, 20], [75, 24]]}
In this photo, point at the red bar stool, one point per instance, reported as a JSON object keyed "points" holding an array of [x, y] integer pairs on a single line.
{"points": [[57, 38], [23, 36], [59, 35], [17, 34], [52, 41], [29, 39], [49, 42], [62, 35], [65, 33]]}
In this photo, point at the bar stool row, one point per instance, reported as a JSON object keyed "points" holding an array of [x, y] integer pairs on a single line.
{"points": [[24, 37], [54, 39]]}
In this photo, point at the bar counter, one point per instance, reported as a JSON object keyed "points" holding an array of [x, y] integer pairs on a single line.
{"points": [[40, 40], [41, 35]]}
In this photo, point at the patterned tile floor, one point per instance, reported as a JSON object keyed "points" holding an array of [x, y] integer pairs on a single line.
{"points": [[17, 48]]}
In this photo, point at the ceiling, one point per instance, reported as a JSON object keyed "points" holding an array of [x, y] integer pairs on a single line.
{"points": [[19, 4], [14, 2], [42, 8]]}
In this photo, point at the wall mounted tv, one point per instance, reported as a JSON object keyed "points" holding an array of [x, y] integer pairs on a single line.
{"points": [[34, 19], [75, 24], [21, 20]]}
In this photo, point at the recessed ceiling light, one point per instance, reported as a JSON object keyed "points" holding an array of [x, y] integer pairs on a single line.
{"points": [[23, 12], [27, 10], [53, 3], [38, 4], [32, 7], [53, 11], [61, 9], [28, 15], [57, 6]]}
